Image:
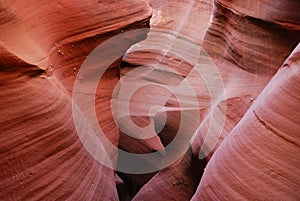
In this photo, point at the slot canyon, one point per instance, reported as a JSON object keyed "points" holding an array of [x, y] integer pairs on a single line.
{"points": [[150, 100]]}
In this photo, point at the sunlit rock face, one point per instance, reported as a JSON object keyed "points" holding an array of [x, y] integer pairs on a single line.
{"points": [[257, 160], [212, 86], [247, 46], [250, 44]]}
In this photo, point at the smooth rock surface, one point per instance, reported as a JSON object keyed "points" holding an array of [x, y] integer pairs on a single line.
{"points": [[257, 160], [42, 46], [221, 76]]}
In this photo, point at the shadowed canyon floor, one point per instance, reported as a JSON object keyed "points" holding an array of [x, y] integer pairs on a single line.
{"points": [[150, 100]]}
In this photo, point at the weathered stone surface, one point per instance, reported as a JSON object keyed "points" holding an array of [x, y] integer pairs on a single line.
{"points": [[42, 46], [257, 160], [246, 49], [209, 70]]}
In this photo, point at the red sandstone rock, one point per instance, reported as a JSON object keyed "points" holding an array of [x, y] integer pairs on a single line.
{"points": [[239, 50], [232, 41], [257, 160], [43, 44]]}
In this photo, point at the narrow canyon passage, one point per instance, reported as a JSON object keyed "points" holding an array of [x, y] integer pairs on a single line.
{"points": [[149, 100]]}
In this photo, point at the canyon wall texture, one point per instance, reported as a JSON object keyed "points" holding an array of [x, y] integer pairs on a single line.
{"points": [[203, 94], [43, 43]]}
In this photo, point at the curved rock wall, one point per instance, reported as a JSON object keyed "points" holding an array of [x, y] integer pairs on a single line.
{"points": [[257, 160], [214, 64], [43, 44]]}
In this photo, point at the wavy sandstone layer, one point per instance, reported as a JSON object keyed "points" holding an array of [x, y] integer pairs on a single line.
{"points": [[43, 44], [246, 50], [257, 160], [206, 71]]}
